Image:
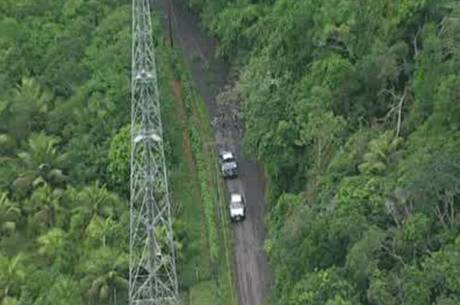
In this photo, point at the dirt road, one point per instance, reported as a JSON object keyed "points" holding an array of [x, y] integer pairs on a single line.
{"points": [[210, 76]]}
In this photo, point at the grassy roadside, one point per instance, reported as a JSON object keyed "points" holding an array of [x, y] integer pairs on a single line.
{"points": [[214, 200], [204, 256]]}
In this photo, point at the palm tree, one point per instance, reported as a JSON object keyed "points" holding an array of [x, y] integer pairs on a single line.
{"points": [[7, 143], [41, 156], [8, 171], [9, 214], [40, 163], [45, 209], [12, 275], [52, 244], [93, 201], [60, 289], [100, 231], [25, 109], [10, 301], [105, 275]]}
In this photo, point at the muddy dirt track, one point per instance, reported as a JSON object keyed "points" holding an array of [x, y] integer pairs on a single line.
{"points": [[210, 75]]}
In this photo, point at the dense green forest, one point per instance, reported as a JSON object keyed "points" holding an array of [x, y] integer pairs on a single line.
{"points": [[353, 108], [64, 94], [64, 158]]}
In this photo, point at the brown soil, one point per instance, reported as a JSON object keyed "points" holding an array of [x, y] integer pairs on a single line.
{"points": [[251, 266]]}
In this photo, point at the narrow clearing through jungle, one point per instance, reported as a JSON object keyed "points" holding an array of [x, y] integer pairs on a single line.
{"points": [[210, 75]]}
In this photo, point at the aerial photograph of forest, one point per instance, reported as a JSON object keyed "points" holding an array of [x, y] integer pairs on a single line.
{"points": [[230, 152]]}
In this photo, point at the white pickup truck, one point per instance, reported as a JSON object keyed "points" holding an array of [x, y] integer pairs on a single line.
{"points": [[237, 207]]}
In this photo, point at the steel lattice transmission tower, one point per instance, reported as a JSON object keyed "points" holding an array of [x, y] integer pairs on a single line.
{"points": [[152, 269]]}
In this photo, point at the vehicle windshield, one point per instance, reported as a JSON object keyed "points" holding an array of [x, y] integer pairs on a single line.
{"points": [[236, 205], [236, 201], [228, 165]]}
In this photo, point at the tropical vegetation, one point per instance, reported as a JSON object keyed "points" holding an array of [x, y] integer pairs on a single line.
{"points": [[64, 157], [353, 108]]}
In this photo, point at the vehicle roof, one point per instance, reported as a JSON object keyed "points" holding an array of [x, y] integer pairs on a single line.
{"points": [[227, 155], [236, 198]]}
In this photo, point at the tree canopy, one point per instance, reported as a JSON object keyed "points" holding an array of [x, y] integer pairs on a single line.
{"points": [[64, 76], [353, 107]]}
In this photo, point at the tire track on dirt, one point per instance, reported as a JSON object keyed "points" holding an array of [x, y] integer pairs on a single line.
{"points": [[210, 77]]}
